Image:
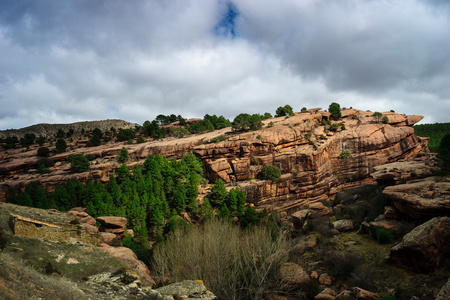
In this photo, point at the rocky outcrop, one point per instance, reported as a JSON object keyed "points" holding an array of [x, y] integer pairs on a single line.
{"points": [[425, 248], [421, 199], [396, 172], [129, 257], [302, 146], [115, 225]]}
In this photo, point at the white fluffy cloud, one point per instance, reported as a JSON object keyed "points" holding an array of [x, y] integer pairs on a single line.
{"points": [[65, 61]]}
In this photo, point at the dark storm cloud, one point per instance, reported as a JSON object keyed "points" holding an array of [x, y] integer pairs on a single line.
{"points": [[64, 61]]}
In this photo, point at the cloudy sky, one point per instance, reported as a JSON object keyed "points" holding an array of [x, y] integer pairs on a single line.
{"points": [[77, 60]]}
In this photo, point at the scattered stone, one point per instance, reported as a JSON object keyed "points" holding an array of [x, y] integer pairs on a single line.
{"points": [[72, 261], [326, 294], [325, 279], [343, 225]]}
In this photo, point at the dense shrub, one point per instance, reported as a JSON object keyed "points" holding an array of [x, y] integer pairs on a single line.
{"points": [[270, 172], [79, 163], [123, 156], [47, 162], [90, 156], [345, 154], [246, 122], [384, 235], [335, 110], [43, 152], [125, 134], [61, 146]]}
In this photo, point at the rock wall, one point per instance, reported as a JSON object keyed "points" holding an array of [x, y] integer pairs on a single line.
{"points": [[302, 146], [26, 227]]}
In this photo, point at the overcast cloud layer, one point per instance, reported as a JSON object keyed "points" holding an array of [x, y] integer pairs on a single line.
{"points": [[68, 61]]}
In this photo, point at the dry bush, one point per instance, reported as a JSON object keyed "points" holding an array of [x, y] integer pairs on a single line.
{"points": [[233, 263]]}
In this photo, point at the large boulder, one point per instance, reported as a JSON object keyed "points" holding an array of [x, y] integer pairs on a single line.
{"points": [[116, 225], [425, 248], [129, 257], [294, 277]]}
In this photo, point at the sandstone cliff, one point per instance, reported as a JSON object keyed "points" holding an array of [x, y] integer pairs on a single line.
{"points": [[302, 146]]}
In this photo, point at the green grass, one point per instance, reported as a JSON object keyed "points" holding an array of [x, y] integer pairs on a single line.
{"points": [[434, 131]]}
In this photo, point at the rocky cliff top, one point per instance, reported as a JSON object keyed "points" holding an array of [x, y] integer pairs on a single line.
{"points": [[317, 156]]}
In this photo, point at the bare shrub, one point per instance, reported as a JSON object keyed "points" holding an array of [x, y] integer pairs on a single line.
{"points": [[233, 263]]}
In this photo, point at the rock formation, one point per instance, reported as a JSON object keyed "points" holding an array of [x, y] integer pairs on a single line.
{"points": [[421, 199], [302, 146], [425, 248]]}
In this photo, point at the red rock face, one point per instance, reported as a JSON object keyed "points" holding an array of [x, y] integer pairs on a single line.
{"points": [[304, 150]]}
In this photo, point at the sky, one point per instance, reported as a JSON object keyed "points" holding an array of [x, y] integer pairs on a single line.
{"points": [[81, 60]]}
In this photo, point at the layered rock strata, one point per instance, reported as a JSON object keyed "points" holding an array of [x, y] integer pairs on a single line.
{"points": [[302, 146]]}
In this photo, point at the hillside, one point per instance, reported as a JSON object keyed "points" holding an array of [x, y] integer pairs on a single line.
{"points": [[435, 132], [50, 130]]}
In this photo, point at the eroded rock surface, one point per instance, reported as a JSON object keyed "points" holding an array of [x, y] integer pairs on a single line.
{"points": [[421, 199], [425, 248], [306, 152]]}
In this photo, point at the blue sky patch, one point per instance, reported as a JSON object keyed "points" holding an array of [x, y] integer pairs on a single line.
{"points": [[227, 24]]}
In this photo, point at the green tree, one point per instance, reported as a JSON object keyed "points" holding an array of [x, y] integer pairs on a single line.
{"points": [[218, 193], [250, 217], [206, 209], [60, 134], [28, 139], [377, 116], [61, 146], [80, 164], [43, 152], [123, 156], [41, 140], [335, 110], [270, 172], [284, 111], [246, 122]]}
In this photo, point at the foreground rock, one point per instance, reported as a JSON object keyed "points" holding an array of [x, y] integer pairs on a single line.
{"points": [[425, 248], [294, 277], [187, 289], [129, 257]]}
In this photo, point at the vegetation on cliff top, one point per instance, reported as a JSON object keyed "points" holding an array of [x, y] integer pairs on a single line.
{"points": [[434, 131]]}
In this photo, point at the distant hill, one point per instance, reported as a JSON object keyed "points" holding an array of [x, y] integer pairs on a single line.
{"points": [[50, 130], [434, 131]]}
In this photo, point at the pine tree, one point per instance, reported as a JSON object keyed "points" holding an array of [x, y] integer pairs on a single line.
{"points": [[218, 193]]}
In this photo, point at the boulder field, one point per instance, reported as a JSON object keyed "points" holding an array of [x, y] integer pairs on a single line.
{"points": [[306, 147]]}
